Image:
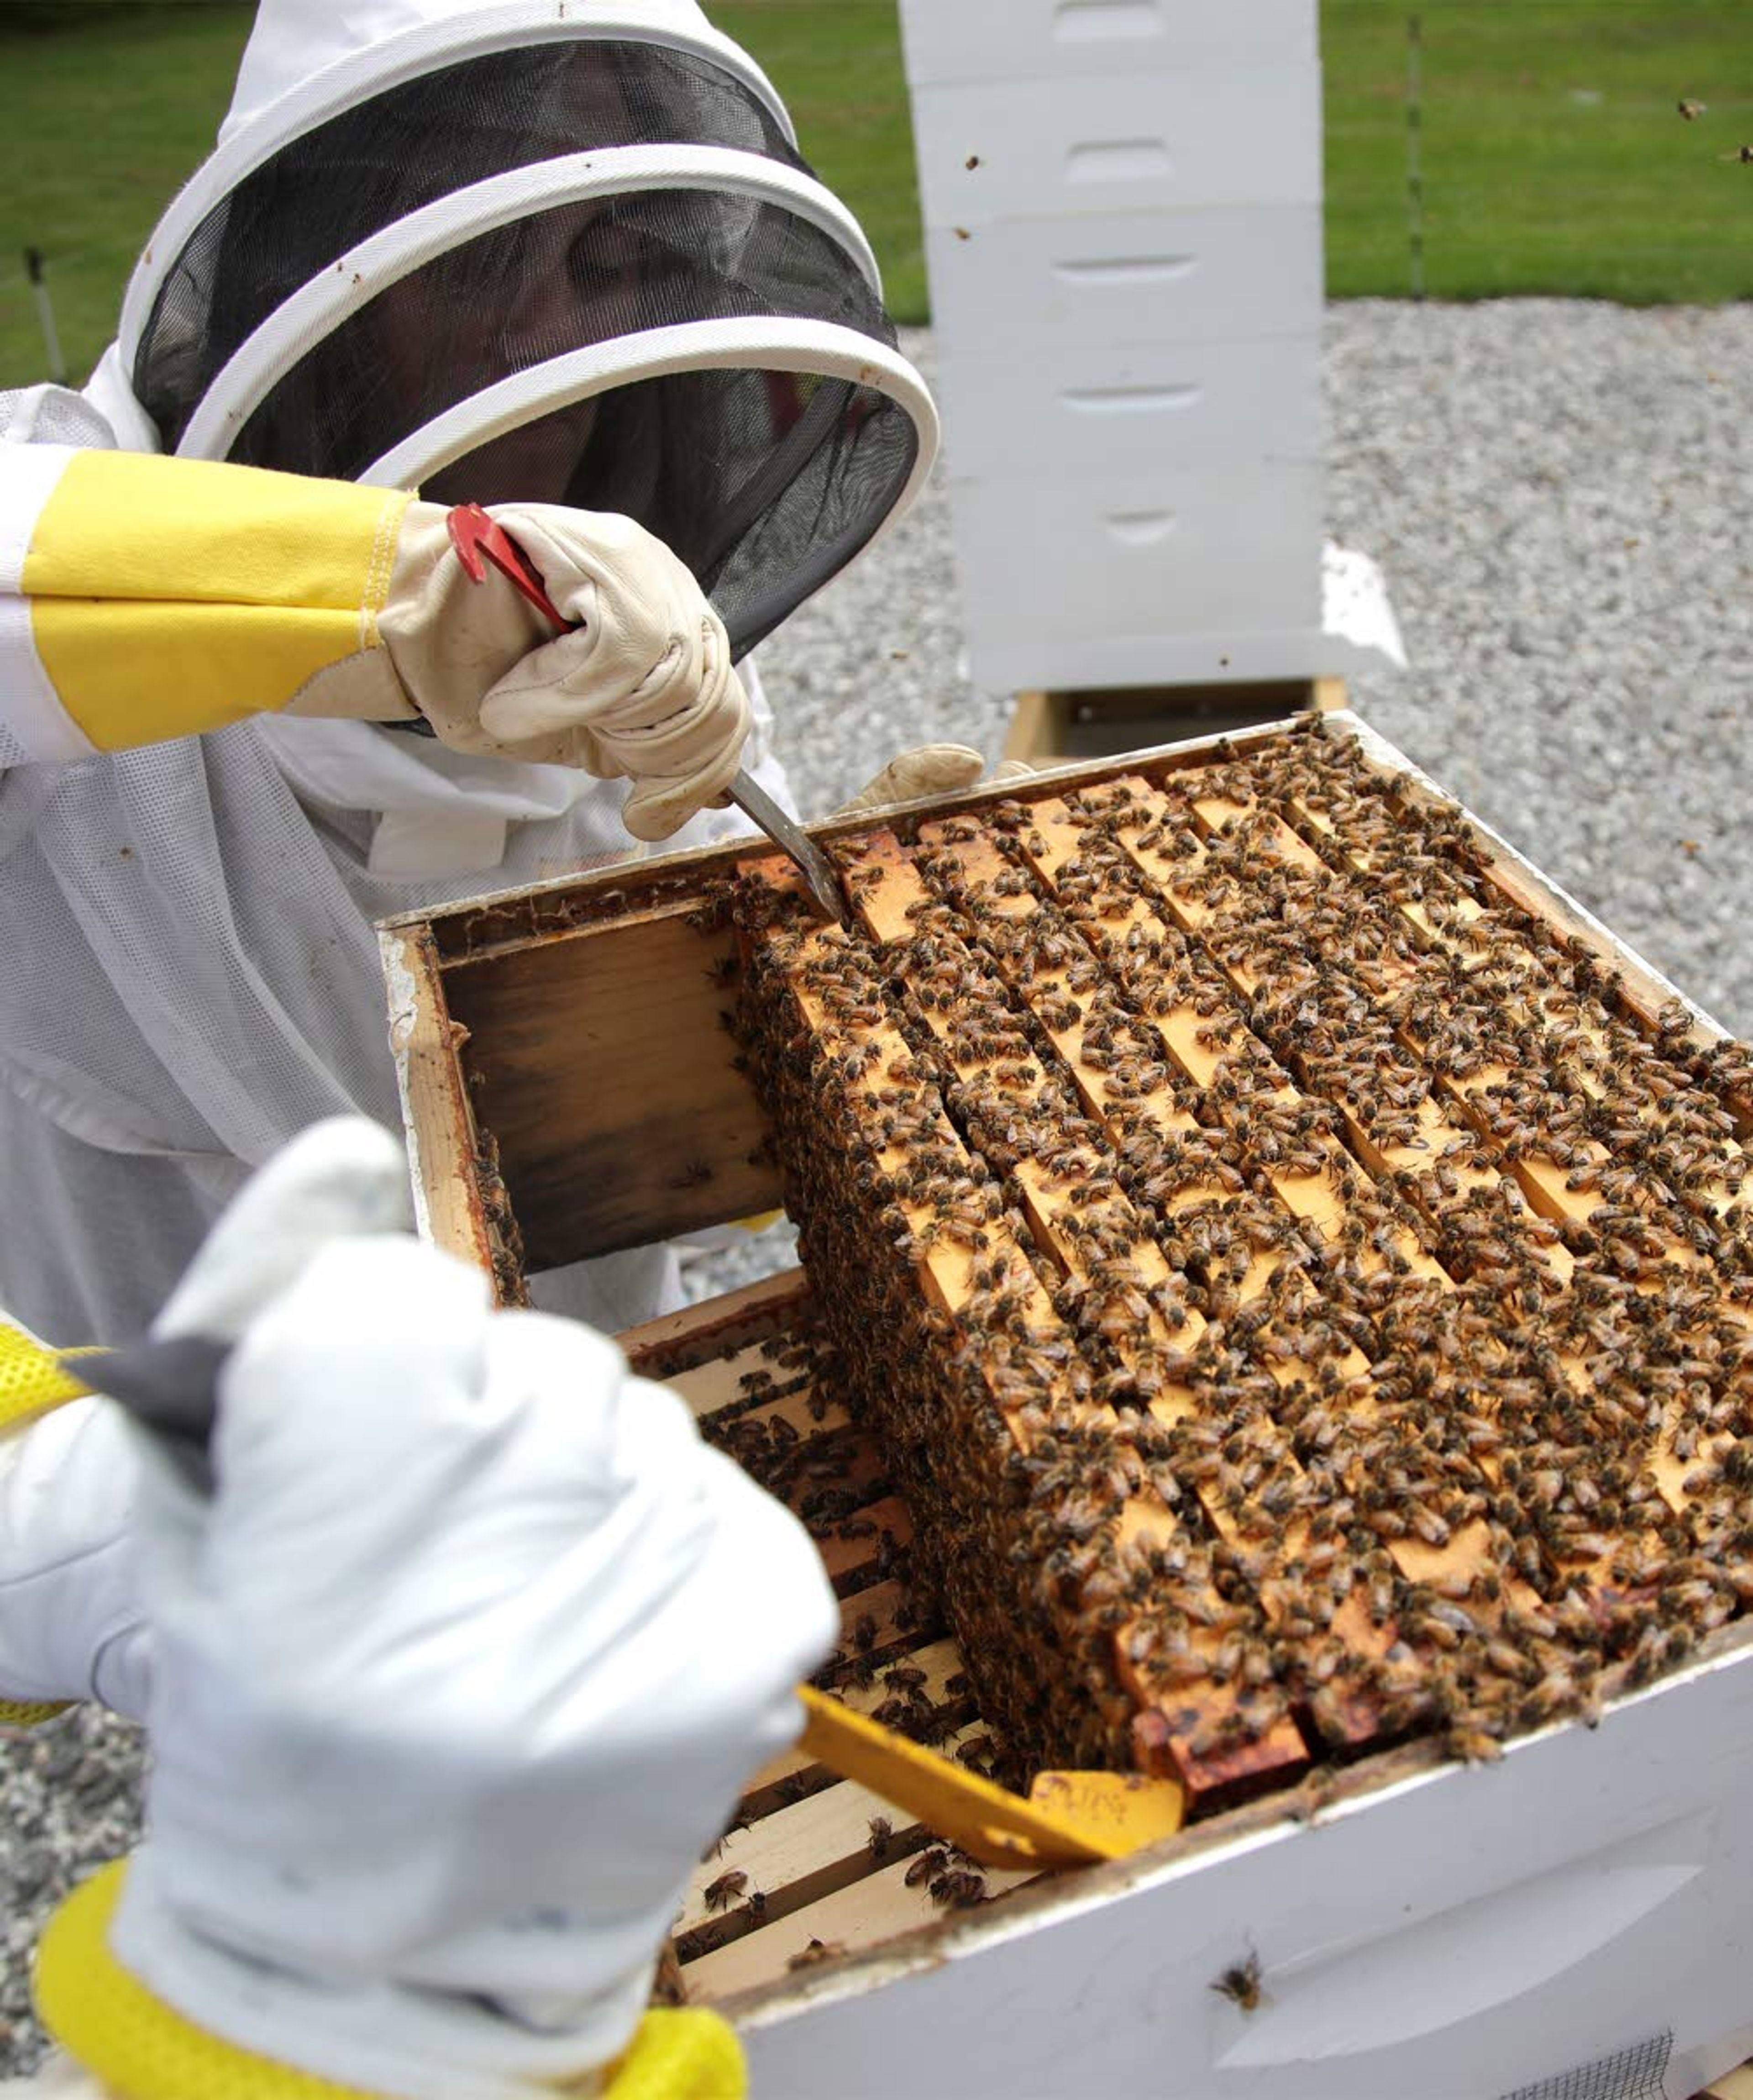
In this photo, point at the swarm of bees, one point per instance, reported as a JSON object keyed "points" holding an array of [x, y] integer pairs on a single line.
{"points": [[1304, 1300]]}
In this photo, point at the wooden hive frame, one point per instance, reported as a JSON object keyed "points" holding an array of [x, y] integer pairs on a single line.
{"points": [[814, 1868], [495, 1007]]}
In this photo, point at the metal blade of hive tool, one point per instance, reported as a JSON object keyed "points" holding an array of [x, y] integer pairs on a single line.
{"points": [[816, 869]]}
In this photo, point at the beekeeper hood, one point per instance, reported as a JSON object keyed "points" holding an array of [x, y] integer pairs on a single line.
{"points": [[551, 250]]}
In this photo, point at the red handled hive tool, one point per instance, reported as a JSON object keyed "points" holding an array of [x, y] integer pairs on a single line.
{"points": [[479, 539]]}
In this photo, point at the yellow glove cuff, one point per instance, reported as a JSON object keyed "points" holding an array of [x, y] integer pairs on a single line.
{"points": [[142, 2049], [132, 2042], [22, 1713], [171, 596]]}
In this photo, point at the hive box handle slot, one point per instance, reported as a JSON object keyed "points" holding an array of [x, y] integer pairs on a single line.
{"points": [[1420, 1978]]}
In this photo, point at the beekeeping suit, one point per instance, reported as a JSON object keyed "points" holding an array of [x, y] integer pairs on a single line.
{"points": [[431, 1765], [525, 253]]}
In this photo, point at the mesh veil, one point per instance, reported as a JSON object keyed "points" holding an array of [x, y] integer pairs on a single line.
{"points": [[325, 191], [765, 481]]}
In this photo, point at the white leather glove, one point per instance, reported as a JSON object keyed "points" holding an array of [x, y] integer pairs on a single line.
{"points": [[455, 1677], [645, 689], [71, 1625], [72, 1622], [929, 769]]}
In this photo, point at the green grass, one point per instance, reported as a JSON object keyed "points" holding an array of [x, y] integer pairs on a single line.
{"points": [[1554, 159], [104, 120], [838, 65], [106, 113]]}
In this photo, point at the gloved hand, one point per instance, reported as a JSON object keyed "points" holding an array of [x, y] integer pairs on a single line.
{"points": [[645, 689], [454, 1676], [71, 1625], [72, 1622], [168, 597], [929, 769]]}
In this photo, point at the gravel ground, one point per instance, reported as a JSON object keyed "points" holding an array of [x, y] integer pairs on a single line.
{"points": [[1557, 493]]}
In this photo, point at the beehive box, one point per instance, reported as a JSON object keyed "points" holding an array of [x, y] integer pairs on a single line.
{"points": [[1121, 205], [1407, 1294]]}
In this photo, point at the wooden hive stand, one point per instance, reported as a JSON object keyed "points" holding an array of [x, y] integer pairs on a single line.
{"points": [[1047, 728]]}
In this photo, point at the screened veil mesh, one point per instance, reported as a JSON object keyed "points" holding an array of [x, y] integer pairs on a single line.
{"points": [[766, 483], [324, 193], [763, 481], [1635, 2073]]}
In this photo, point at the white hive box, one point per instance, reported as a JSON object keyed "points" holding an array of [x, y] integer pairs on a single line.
{"points": [[1167, 278], [1091, 414], [1122, 205], [951, 42], [1468, 1934], [1422, 1930], [1156, 575], [1135, 142]]}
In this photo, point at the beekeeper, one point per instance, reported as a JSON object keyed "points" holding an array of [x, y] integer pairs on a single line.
{"points": [[430, 1766], [564, 260]]}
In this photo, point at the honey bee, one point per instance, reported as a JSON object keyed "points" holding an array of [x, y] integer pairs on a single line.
{"points": [[1240, 1984], [721, 1894], [814, 1950]]}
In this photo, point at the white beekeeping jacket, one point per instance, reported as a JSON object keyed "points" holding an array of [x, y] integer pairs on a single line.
{"points": [[191, 973], [652, 306]]}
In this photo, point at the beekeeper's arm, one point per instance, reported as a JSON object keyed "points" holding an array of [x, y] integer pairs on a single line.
{"points": [[143, 598], [453, 1680]]}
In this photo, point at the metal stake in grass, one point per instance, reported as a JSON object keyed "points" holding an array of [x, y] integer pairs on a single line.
{"points": [[45, 314], [1415, 176]]}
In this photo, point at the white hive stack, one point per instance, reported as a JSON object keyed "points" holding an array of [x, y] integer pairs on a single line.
{"points": [[1122, 207]]}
